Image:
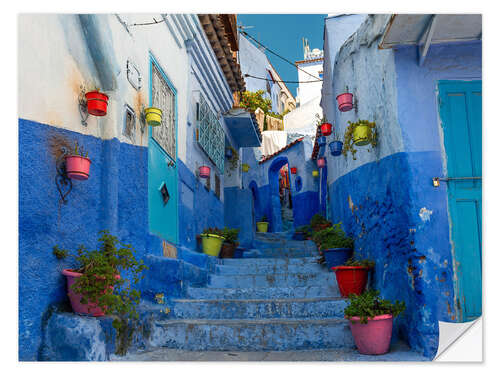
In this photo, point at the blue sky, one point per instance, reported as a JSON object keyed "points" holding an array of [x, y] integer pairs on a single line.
{"points": [[283, 34]]}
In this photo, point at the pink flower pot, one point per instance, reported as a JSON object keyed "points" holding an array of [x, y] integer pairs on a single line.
{"points": [[373, 337], [345, 102], [321, 162], [74, 298], [204, 171], [77, 167]]}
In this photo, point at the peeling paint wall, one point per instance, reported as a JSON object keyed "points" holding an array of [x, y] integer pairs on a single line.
{"points": [[385, 198]]}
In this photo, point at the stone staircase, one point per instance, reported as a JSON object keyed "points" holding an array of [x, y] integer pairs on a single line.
{"points": [[275, 299]]}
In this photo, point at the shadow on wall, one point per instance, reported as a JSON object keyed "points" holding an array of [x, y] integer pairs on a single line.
{"points": [[255, 202]]}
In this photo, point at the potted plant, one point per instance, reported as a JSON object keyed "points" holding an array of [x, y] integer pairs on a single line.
{"points": [[153, 116], [96, 286], [233, 158], [360, 133], [262, 225], [293, 170], [77, 165], [230, 242], [335, 246], [321, 162], [353, 275], [211, 241], [204, 171], [97, 103], [245, 167], [344, 101], [318, 222], [370, 319], [325, 127], [315, 173], [336, 145]]}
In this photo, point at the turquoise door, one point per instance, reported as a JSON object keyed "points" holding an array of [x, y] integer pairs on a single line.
{"points": [[461, 115], [162, 155]]}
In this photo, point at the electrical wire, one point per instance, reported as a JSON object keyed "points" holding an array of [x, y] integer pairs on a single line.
{"points": [[146, 23], [274, 53], [275, 80]]}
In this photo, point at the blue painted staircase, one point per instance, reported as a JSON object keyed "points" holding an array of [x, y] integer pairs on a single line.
{"points": [[276, 299]]}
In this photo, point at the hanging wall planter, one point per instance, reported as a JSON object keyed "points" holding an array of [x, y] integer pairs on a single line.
{"points": [[326, 129], [321, 162], [345, 102], [335, 148], [97, 103], [245, 167], [77, 165], [315, 173], [153, 116], [293, 170], [204, 171], [360, 133]]}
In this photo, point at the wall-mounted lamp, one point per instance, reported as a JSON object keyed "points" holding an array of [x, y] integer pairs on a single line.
{"points": [[435, 181]]}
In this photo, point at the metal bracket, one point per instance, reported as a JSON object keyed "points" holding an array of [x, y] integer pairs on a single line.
{"points": [[62, 180], [82, 107], [142, 119], [426, 39], [436, 180]]}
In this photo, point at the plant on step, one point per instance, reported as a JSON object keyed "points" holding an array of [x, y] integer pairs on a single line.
{"points": [[333, 237], [231, 235], [213, 230], [212, 240], [305, 229], [352, 262], [370, 320], [360, 133], [318, 222], [264, 219], [369, 304], [96, 285]]}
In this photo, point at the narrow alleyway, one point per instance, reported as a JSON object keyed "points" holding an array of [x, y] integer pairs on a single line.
{"points": [[277, 302]]}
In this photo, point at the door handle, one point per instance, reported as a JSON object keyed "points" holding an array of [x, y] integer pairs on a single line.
{"points": [[436, 180]]}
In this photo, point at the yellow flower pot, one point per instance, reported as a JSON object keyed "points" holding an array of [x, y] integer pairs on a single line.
{"points": [[262, 226], [315, 173], [153, 116], [361, 135], [245, 167], [211, 244]]}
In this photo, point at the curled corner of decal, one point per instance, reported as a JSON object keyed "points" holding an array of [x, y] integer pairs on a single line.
{"points": [[460, 342]]}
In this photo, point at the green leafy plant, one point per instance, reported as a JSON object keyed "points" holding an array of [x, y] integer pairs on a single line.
{"points": [[305, 229], [253, 100], [369, 305], [318, 222], [79, 151], [234, 158], [359, 262], [231, 235], [349, 137], [264, 219], [320, 120], [214, 230], [332, 237], [100, 285]]}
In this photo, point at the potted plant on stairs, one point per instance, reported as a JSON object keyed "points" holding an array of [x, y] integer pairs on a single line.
{"points": [[96, 287], [230, 242], [371, 319], [334, 245], [211, 240], [263, 225], [352, 276]]}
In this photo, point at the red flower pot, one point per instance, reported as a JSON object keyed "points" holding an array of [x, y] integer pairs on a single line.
{"points": [[74, 298], [326, 129], [345, 102], [97, 103], [373, 337], [351, 279], [77, 167], [321, 162], [204, 171], [293, 170]]}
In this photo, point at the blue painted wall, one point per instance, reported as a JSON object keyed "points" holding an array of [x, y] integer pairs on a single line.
{"points": [[385, 198]]}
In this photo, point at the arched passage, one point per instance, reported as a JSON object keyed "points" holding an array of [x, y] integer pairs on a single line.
{"points": [[276, 223]]}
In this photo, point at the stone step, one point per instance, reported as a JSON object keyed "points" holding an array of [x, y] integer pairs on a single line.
{"points": [[257, 262], [399, 351], [261, 269], [290, 280], [326, 290], [284, 244], [251, 334], [282, 253], [306, 308]]}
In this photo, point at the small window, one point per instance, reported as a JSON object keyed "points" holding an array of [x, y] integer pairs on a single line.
{"points": [[129, 123], [217, 186]]}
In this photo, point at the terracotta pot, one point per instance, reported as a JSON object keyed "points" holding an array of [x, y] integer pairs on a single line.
{"points": [[345, 102], [227, 250], [77, 167]]}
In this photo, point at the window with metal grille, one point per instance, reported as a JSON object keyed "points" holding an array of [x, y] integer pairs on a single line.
{"points": [[210, 135], [217, 186], [164, 99], [129, 123]]}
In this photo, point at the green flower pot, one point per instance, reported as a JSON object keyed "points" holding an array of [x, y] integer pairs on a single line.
{"points": [[360, 135], [262, 226], [211, 244]]}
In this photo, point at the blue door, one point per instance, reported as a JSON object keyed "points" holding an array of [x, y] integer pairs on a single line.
{"points": [[162, 155], [461, 115]]}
